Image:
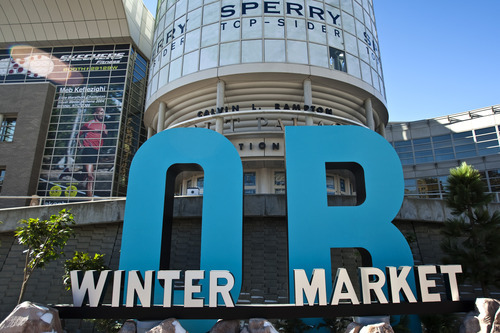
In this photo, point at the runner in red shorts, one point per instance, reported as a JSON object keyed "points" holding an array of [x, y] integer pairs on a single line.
{"points": [[90, 141]]}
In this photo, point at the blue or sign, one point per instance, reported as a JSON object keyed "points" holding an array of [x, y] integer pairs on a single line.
{"points": [[313, 226], [153, 167]]}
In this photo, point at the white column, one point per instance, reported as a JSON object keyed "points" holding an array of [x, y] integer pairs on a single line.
{"points": [[382, 130], [160, 126], [2, 130], [219, 121], [308, 99], [369, 114], [265, 181], [150, 132]]}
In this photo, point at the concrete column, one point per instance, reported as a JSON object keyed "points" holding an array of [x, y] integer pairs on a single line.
{"points": [[219, 121], [2, 131], [160, 126], [369, 114], [308, 99], [221, 88], [150, 132], [382, 130]]}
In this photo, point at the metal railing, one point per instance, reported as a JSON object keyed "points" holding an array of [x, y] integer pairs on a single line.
{"points": [[36, 200], [441, 195]]}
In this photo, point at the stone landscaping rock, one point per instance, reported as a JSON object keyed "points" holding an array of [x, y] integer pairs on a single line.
{"points": [[171, 325], [353, 328], [226, 326], [484, 319], [128, 327], [28, 317], [259, 325], [377, 328], [372, 328]]}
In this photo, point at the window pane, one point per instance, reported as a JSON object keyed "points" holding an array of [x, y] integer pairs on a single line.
{"points": [[405, 155], [342, 185], [404, 149], [466, 154], [422, 146], [424, 159], [200, 182], [7, 129], [2, 176], [464, 141], [465, 148], [485, 130], [489, 151], [337, 60], [421, 141], [486, 137], [402, 143], [444, 151], [462, 135], [330, 185], [279, 178], [488, 144], [440, 144], [445, 157], [423, 153], [249, 178], [441, 138]]}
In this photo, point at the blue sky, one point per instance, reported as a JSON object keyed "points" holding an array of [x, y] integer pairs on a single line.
{"points": [[439, 56]]}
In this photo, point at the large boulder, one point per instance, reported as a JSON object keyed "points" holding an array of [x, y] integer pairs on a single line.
{"points": [[259, 325], [128, 327], [484, 319], [371, 328], [226, 326], [28, 317], [377, 328], [353, 328], [170, 325]]}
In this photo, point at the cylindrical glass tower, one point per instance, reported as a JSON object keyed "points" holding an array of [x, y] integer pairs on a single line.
{"points": [[247, 69]]}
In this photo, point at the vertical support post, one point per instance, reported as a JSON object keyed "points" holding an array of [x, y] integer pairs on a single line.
{"points": [[369, 114], [308, 99], [382, 130], [161, 117], [219, 121], [150, 132]]}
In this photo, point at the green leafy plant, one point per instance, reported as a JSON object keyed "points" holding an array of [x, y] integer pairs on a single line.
{"points": [[108, 325], [82, 261], [440, 323], [472, 236], [45, 240], [294, 325], [335, 325], [400, 324]]}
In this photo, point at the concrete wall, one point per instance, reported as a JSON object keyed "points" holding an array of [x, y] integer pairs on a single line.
{"points": [[265, 270], [31, 104]]}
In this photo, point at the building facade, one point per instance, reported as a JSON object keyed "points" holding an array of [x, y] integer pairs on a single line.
{"points": [[95, 59], [429, 148], [245, 70], [249, 69]]}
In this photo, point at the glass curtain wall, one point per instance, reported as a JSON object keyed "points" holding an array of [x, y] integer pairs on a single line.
{"points": [[96, 122]]}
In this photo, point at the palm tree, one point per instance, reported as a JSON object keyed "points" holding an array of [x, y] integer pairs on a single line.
{"points": [[473, 234]]}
